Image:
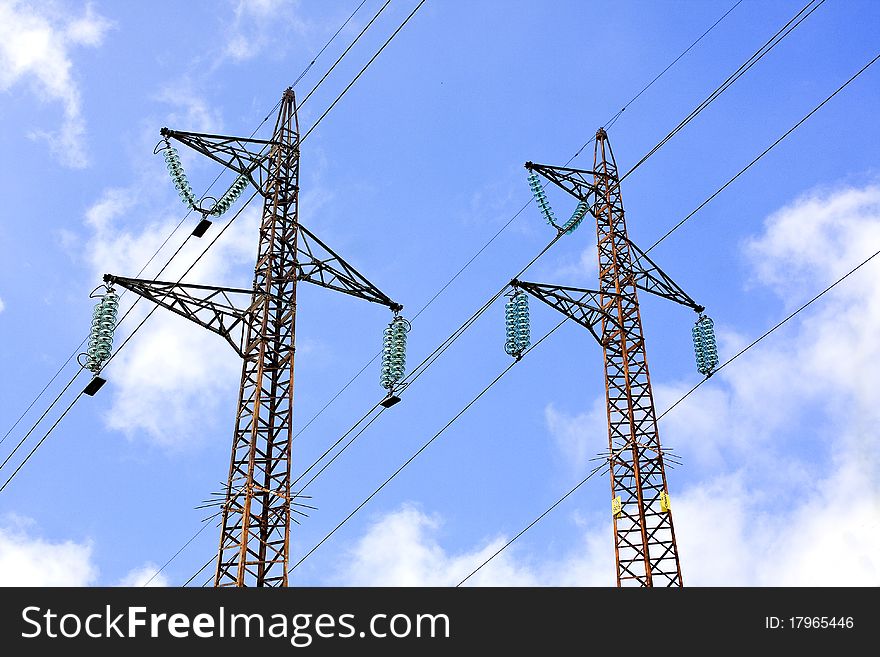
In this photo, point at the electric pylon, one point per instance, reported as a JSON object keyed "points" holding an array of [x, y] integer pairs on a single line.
{"points": [[256, 513], [644, 537]]}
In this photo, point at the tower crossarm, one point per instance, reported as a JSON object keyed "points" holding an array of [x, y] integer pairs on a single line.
{"points": [[317, 263], [573, 181], [579, 304], [244, 156], [649, 277], [218, 309]]}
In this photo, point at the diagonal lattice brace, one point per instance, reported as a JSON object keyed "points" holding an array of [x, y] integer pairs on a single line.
{"points": [[579, 304], [317, 263], [573, 181], [649, 277], [244, 156], [209, 306]]}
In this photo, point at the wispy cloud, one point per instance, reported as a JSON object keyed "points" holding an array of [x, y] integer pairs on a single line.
{"points": [[262, 24], [35, 45], [144, 576]]}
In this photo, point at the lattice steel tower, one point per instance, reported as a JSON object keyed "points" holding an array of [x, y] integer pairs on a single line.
{"points": [[256, 512], [644, 535]]}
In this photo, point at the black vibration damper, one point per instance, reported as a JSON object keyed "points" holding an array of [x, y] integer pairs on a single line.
{"points": [[202, 228], [94, 386], [390, 401]]}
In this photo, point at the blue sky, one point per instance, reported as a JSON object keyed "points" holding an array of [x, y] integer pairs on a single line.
{"points": [[414, 169]]}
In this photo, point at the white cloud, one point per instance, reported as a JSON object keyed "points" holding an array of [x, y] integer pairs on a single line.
{"points": [[263, 24], [816, 238], [401, 549], [191, 111], [2, 306], [581, 437], [144, 576], [733, 534], [173, 374], [27, 560], [34, 48]]}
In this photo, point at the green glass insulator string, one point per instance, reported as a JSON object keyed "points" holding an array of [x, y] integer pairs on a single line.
{"points": [[541, 198], [576, 218], [178, 175], [517, 324], [394, 352], [230, 196], [705, 345], [100, 344]]}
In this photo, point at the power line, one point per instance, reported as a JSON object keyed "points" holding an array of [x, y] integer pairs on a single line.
{"points": [[335, 456], [81, 369], [533, 523], [677, 402], [314, 125], [112, 356], [31, 430], [685, 52], [118, 349], [432, 357], [176, 554], [424, 446], [763, 153], [771, 43], [414, 317], [776, 326], [326, 45], [345, 52], [366, 66], [205, 565], [422, 367], [37, 446], [610, 122]]}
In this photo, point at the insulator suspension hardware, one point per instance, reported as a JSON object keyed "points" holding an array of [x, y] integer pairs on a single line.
{"points": [[516, 324], [541, 198], [705, 347], [100, 344], [394, 352]]}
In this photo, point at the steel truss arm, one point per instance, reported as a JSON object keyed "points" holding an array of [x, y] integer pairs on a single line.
{"points": [[573, 181], [649, 277], [243, 156], [579, 304], [209, 306], [317, 263]]}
